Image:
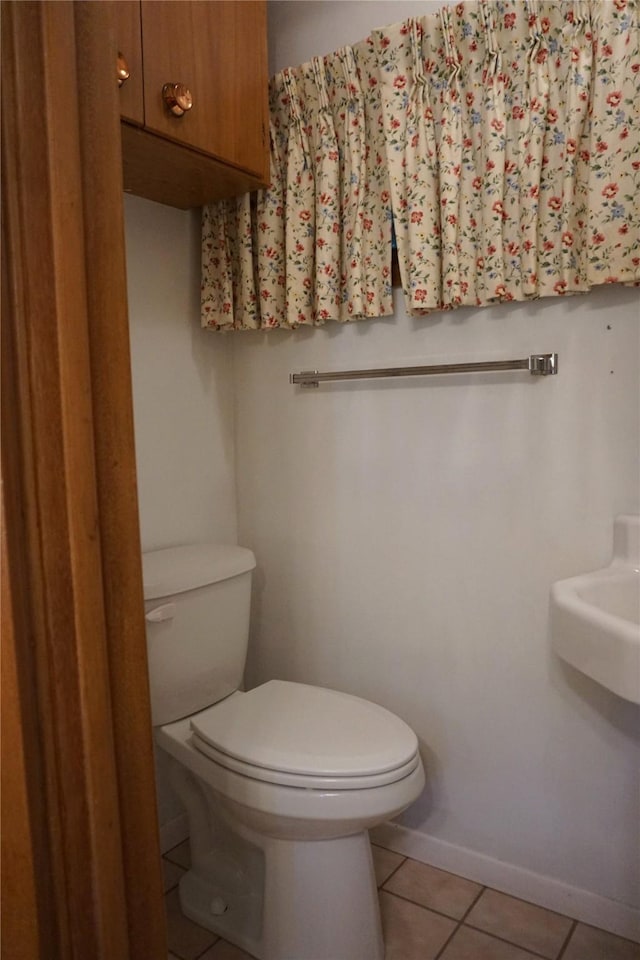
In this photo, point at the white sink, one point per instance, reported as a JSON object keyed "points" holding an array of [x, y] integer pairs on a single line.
{"points": [[595, 618]]}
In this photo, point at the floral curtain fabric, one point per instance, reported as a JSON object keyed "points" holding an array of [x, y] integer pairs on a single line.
{"points": [[501, 137], [316, 245], [513, 145]]}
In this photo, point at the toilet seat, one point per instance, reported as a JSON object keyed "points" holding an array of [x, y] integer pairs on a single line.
{"points": [[281, 778], [297, 735]]}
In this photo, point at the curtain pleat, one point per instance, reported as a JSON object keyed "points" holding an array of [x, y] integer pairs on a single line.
{"points": [[535, 113], [352, 173], [501, 138], [316, 245], [269, 232]]}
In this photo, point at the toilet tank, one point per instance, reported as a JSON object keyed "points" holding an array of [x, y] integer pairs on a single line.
{"points": [[197, 600]]}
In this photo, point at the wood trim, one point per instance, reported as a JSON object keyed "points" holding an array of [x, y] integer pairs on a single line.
{"points": [[57, 494], [78, 637], [110, 364], [20, 868], [31, 874]]}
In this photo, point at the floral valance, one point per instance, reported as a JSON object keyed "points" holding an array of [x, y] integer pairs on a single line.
{"points": [[502, 140], [316, 245]]}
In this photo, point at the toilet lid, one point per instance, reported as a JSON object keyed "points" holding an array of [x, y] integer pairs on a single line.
{"points": [[297, 729]]}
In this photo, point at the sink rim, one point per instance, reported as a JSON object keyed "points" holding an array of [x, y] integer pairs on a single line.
{"points": [[565, 594], [598, 643]]}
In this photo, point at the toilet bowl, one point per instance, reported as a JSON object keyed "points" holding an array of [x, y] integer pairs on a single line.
{"points": [[280, 783]]}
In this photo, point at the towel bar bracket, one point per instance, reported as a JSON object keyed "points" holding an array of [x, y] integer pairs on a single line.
{"points": [[543, 364]]}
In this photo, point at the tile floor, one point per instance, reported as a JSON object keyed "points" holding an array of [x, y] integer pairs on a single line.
{"points": [[427, 914]]}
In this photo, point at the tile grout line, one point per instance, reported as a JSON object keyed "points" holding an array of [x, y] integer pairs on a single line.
{"points": [[447, 941], [512, 943], [464, 922], [165, 856], [392, 874], [439, 913], [485, 887], [563, 948], [472, 904], [217, 940], [529, 903], [460, 923], [174, 885]]}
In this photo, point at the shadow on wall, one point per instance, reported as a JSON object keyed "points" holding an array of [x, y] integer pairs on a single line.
{"points": [[589, 697], [428, 808]]}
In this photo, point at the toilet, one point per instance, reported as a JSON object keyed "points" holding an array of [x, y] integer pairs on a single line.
{"points": [[281, 783]]}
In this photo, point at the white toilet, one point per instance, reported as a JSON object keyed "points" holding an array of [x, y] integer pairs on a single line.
{"points": [[280, 784]]}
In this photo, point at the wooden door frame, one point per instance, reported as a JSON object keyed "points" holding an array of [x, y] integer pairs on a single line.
{"points": [[81, 871]]}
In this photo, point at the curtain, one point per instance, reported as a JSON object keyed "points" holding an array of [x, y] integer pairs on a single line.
{"points": [[501, 137], [513, 144], [316, 245]]}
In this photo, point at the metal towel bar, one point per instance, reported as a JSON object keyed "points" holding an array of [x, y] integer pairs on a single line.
{"points": [[538, 364]]}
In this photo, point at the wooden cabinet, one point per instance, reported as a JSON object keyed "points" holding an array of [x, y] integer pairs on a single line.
{"points": [[126, 17], [218, 148]]}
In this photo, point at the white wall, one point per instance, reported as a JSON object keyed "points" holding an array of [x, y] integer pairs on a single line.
{"points": [[407, 534], [183, 398], [182, 384]]}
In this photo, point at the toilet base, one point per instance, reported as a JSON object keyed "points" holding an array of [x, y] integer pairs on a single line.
{"points": [[241, 921], [319, 902], [284, 872]]}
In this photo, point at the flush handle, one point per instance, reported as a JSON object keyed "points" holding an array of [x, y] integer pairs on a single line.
{"points": [[166, 612]]}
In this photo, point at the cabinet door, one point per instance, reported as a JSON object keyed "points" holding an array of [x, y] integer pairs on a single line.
{"points": [[219, 51], [127, 28]]}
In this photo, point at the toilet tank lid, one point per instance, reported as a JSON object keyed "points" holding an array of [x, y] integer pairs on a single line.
{"points": [[177, 569]]}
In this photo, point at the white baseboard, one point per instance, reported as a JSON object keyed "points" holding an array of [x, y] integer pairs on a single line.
{"points": [[173, 832], [610, 915]]}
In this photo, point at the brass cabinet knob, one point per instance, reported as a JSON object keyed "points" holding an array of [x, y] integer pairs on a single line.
{"points": [[122, 70], [177, 98]]}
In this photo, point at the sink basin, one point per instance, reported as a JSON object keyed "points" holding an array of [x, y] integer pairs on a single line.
{"points": [[595, 617]]}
